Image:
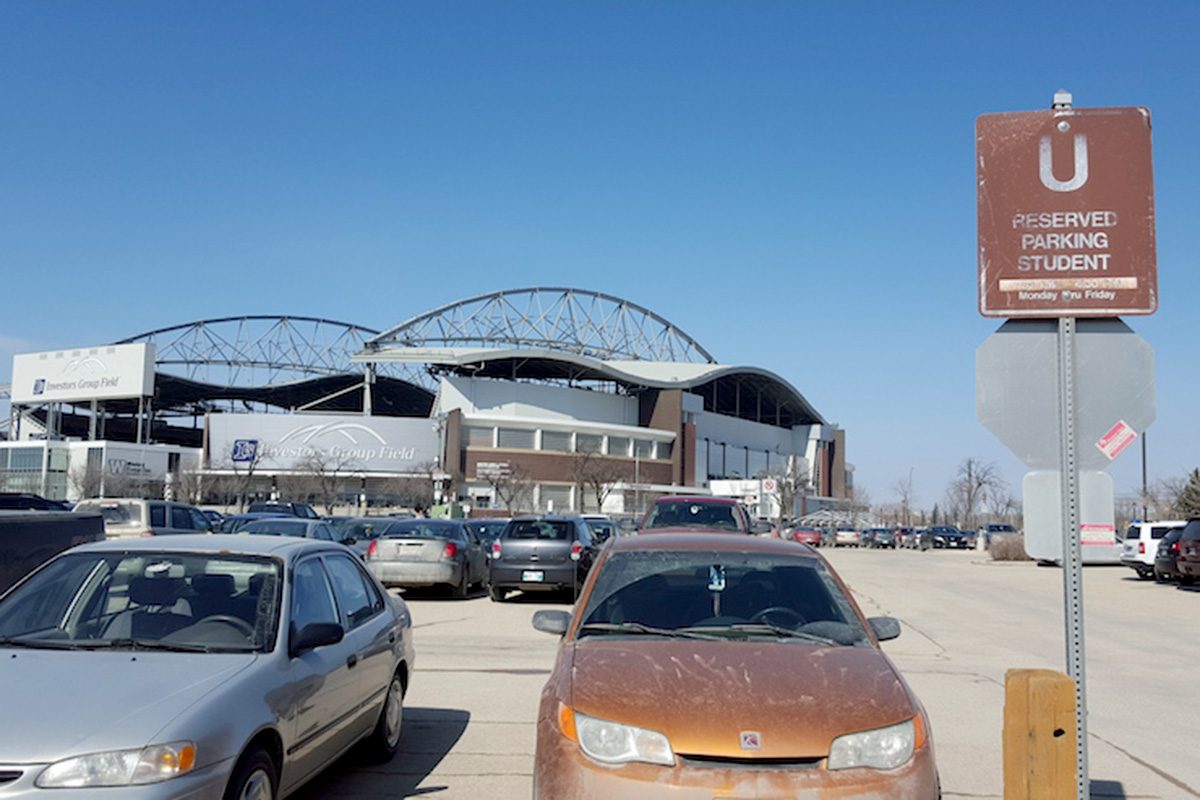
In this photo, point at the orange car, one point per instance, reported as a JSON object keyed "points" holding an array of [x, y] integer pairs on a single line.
{"points": [[716, 666]]}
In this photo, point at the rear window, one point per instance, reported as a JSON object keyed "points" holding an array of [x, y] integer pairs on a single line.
{"points": [[1160, 531], [277, 527], [1134, 532], [1192, 531], [115, 513], [557, 530], [424, 530], [694, 514]]}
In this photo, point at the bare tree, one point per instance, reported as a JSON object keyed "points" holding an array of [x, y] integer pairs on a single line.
{"points": [[974, 481], [790, 484], [412, 491], [903, 489], [188, 485], [86, 482], [510, 484], [857, 503], [594, 471], [328, 472]]}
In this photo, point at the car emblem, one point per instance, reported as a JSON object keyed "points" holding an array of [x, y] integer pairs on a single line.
{"points": [[751, 740]]}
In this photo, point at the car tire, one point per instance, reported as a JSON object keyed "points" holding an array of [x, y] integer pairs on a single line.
{"points": [[1159, 577], [1186, 580], [496, 593], [462, 589], [254, 777], [384, 740], [1145, 574]]}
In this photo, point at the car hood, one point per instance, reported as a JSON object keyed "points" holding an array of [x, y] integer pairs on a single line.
{"points": [[703, 695], [63, 703]]}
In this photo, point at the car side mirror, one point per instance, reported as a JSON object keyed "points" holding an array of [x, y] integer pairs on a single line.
{"points": [[551, 621], [314, 635], [885, 628], [348, 540]]}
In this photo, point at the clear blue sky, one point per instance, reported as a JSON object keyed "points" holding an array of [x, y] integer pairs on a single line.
{"points": [[790, 182]]}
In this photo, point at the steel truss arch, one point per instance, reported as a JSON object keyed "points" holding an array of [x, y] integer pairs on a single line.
{"points": [[264, 350], [556, 318]]}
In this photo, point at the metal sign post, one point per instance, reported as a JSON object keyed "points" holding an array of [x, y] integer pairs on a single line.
{"points": [[1066, 230], [1072, 550]]}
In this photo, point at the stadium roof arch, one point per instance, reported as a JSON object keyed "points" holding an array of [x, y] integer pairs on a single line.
{"points": [[290, 362], [576, 336]]}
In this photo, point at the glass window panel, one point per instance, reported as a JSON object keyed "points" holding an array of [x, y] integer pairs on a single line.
{"points": [[643, 448], [618, 446], [515, 438], [556, 440], [477, 437], [589, 442]]}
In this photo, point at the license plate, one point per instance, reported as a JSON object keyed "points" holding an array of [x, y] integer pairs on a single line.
{"points": [[533, 576]]}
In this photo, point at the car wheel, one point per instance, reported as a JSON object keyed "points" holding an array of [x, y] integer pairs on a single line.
{"points": [[1145, 574], [384, 740], [1186, 580], [253, 778], [496, 593], [1159, 577], [463, 590]]}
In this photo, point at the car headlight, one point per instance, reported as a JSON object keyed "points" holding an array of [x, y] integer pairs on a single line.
{"points": [[614, 743], [882, 748], [151, 764]]}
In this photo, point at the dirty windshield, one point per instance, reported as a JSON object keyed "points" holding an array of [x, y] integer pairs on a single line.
{"points": [[714, 516]]}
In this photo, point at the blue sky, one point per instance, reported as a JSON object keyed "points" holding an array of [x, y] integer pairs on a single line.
{"points": [[790, 182]]}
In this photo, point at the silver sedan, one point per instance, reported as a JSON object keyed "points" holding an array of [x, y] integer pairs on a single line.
{"points": [[196, 667]]}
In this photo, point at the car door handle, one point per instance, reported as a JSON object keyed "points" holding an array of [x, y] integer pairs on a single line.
{"points": [[391, 638], [352, 661]]}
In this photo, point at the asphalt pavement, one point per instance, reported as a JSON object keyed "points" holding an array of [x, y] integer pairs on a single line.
{"points": [[470, 712]]}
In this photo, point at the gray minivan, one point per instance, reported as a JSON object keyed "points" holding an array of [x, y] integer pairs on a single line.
{"points": [[136, 517]]}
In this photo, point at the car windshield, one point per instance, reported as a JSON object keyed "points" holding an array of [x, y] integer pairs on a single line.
{"points": [[146, 600], [727, 594], [693, 514], [487, 530], [558, 530], [422, 529], [276, 527]]}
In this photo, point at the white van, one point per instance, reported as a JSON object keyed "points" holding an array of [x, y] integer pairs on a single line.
{"points": [[1141, 545]]}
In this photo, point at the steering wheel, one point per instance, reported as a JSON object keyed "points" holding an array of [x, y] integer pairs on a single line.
{"points": [[761, 616], [243, 627]]}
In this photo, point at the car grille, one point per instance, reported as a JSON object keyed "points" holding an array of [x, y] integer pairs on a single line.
{"points": [[9, 775], [718, 762]]}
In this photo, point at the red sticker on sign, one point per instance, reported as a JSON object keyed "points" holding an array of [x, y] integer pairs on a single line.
{"points": [[1119, 436]]}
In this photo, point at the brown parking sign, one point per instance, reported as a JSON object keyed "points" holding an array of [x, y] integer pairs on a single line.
{"points": [[1066, 213]]}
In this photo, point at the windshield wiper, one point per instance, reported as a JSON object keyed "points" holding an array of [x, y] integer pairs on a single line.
{"points": [[639, 628], [151, 644], [782, 632], [41, 644]]}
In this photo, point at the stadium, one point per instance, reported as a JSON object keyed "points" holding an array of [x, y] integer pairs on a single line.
{"points": [[543, 398]]}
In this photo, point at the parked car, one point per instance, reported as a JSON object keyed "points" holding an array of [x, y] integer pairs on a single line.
{"points": [[883, 538], [487, 531], [920, 539], [993, 529], [235, 522], [124, 517], [359, 532], [1139, 548], [602, 527], [707, 514], [303, 510], [816, 709], [197, 666], [847, 537], [805, 535], [414, 553], [1166, 567], [947, 537], [293, 527], [902, 534], [22, 501], [540, 554], [1188, 560]]}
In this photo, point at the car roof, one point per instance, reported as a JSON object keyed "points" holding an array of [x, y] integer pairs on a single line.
{"points": [[437, 523], [224, 543], [697, 498], [547, 518], [731, 542]]}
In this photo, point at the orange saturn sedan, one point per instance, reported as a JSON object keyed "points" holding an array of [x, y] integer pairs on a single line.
{"points": [[715, 667]]}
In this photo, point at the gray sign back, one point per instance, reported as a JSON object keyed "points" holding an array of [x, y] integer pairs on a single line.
{"points": [[1016, 380]]}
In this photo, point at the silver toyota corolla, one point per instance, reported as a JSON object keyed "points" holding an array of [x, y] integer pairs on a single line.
{"points": [[196, 667]]}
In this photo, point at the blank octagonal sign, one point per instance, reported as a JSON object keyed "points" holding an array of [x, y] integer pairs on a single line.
{"points": [[1016, 387]]}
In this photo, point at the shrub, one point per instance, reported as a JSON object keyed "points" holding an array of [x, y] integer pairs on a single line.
{"points": [[1008, 548]]}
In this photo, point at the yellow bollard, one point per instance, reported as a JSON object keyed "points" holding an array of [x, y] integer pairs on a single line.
{"points": [[1039, 735]]}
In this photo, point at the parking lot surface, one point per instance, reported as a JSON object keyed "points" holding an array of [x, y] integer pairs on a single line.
{"points": [[469, 717]]}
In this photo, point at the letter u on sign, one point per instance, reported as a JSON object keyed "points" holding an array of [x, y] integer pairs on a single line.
{"points": [[1046, 165]]}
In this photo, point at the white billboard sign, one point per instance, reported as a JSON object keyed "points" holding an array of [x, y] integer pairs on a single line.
{"points": [[107, 372], [342, 442]]}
